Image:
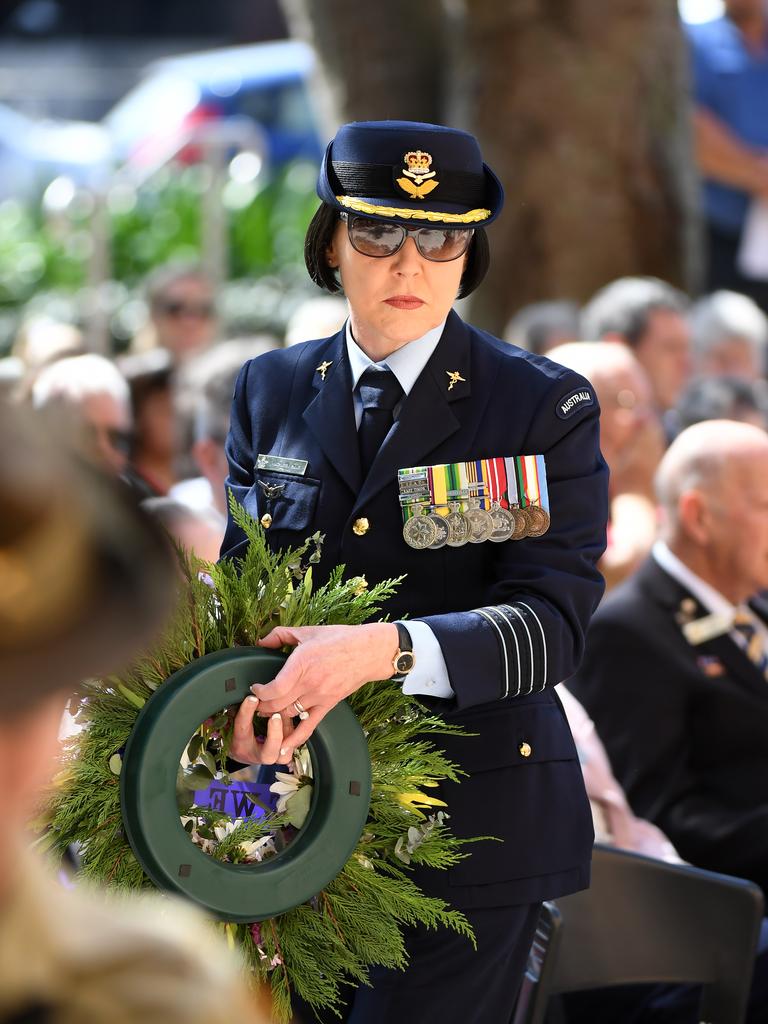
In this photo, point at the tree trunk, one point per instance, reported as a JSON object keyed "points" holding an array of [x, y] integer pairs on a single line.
{"points": [[580, 107], [380, 61]]}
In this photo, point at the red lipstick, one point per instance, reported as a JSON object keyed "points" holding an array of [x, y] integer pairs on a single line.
{"points": [[405, 301]]}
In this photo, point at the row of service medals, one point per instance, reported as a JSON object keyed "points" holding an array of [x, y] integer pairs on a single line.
{"points": [[483, 505]]}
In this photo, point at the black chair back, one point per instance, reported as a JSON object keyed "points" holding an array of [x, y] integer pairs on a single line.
{"points": [[645, 921]]}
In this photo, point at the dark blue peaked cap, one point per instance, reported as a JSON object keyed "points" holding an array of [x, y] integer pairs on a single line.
{"points": [[408, 171]]}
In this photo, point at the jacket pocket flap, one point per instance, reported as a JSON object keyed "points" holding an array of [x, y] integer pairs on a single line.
{"points": [[527, 734], [289, 500]]}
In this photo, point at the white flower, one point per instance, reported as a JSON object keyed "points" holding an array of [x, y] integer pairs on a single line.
{"points": [[256, 848], [226, 829], [289, 783], [285, 786], [302, 762]]}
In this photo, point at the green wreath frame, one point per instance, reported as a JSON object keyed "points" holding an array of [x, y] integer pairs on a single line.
{"points": [[338, 812], [356, 919]]}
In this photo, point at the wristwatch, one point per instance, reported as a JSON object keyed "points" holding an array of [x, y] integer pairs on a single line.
{"points": [[404, 659]]}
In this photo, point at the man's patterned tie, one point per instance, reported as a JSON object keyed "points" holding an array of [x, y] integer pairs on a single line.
{"points": [[745, 625]]}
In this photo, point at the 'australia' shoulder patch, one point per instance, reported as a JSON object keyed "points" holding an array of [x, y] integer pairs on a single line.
{"points": [[571, 403]]}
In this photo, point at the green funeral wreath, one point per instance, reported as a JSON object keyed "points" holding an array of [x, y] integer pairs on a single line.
{"points": [[356, 920]]}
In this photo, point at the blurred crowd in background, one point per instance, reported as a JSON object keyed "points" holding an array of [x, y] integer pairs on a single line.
{"points": [[158, 414], [148, 367], [142, 351]]}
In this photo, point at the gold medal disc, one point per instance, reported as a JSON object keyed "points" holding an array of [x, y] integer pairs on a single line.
{"points": [[504, 524], [480, 525], [442, 531], [521, 523], [458, 528], [419, 532], [538, 519]]}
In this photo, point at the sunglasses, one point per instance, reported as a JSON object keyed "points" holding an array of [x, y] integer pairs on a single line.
{"points": [[176, 308], [378, 239]]}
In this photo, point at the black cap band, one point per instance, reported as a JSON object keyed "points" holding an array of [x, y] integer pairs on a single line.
{"points": [[375, 181]]}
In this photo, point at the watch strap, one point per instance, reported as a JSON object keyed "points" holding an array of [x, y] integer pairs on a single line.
{"points": [[404, 643]]}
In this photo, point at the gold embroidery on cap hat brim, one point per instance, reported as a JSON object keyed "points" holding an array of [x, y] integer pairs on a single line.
{"points": [[360, 206]]}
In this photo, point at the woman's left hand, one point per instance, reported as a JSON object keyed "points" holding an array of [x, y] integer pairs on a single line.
{"points": [[328, 664]]}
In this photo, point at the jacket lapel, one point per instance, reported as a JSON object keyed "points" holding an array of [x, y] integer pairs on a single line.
{"points": [[331, 416], [426, 417], [683, 606]]}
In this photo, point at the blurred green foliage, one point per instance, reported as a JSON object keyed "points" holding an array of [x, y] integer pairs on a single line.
{"points": [[45, 253]]}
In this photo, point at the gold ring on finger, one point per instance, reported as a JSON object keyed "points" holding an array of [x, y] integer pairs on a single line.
{"points": [[301, 711]]}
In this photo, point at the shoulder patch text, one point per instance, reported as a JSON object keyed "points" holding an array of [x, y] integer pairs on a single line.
{"points": [[572, 402]]}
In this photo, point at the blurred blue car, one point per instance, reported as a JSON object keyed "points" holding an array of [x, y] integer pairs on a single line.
{"points": [[266, 83], [34, 152]]}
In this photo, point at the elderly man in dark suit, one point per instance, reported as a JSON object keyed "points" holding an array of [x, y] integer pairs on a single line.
{"points": [[675, 674]]}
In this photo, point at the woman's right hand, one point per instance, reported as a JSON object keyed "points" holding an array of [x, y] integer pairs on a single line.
{"points": [[247, 749]]}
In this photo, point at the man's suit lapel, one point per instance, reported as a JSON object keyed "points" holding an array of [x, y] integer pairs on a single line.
{"points": [[426, 418], [683, 606], [331, 416]]}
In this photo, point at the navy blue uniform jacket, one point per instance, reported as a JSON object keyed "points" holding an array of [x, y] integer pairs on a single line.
{"points": [[536, 595]]}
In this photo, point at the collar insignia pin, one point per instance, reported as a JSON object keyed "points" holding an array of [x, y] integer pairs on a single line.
{"points": [[323, 368], [686, 611], [453, 378]]}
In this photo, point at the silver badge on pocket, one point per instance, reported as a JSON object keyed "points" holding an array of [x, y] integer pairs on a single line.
{"points": [[278, 464]]}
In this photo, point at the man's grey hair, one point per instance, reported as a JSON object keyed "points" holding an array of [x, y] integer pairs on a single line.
{"points": [[625, 306], [533, 326], [724, 315], [699, 457], [79, 377]]}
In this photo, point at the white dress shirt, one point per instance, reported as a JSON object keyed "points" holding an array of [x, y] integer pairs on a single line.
{"points": [[429, 675], [709, 598]]}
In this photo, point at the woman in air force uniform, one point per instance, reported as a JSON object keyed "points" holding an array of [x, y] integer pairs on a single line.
{"points": [[420, 445]]}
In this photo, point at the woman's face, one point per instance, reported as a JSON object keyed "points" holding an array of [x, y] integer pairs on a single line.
{"points": [[394, 299]]}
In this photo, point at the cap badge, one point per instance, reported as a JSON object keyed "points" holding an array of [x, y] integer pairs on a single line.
{"points": [[418, 180]]}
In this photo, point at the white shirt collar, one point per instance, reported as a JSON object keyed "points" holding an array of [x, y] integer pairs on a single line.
{"points": [[406, 363], [704, 593]]}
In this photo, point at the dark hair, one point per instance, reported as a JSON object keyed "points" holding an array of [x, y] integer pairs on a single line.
{"points": [[320, 235], [147, 373], [722, 398]]}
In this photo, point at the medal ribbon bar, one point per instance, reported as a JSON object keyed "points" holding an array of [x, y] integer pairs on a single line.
{"points": [[515, 480]]}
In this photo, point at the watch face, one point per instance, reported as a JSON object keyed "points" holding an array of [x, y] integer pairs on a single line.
{"points": [[404, 661]]}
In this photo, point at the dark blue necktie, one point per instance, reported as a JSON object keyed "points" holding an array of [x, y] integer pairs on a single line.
{"points": [[379, 392]]}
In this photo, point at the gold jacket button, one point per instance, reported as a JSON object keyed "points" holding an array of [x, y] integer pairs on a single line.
{"points": [[361, 527], [266, 520], [525, 749]]}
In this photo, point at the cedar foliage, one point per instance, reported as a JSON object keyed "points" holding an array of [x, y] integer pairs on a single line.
{"points": [[356, 921]]}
